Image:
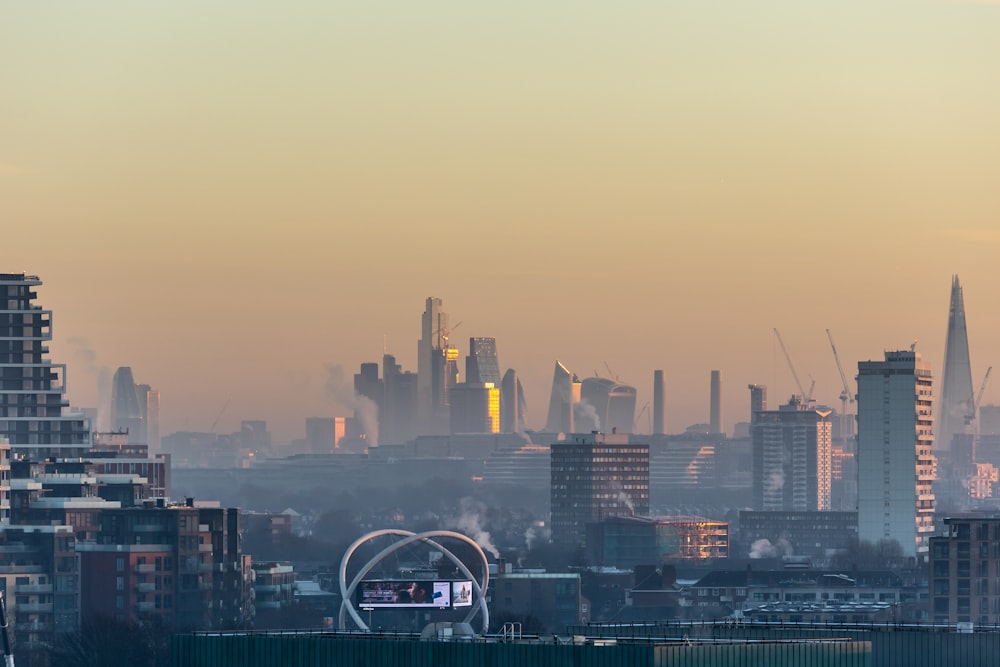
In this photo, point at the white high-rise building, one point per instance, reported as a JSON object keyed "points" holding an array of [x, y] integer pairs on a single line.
{"points": [[895, 462]]}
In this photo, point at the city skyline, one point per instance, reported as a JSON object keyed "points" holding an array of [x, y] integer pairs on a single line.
{"points": [[650, 187]]}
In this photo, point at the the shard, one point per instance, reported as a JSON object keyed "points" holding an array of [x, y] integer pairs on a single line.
{"points": [[956, 410]]}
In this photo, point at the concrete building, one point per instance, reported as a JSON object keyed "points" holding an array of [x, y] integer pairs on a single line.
{"points": [[895, 463], [596, 476], [626, 542], [963, 574], [715, 425], [791, 458], [758, 400], [33, 410], [274, 588], [813, 534], [659, 404], [183, 564]]}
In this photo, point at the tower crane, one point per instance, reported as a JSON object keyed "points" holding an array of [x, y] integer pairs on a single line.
{"points": [[979, 399], [845, 394], [806, 398]]}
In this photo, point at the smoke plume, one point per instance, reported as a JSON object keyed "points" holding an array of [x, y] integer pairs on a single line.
{"points": [[470, 521], [585, 417], [534, 533], [85, 354], [339, 389]]}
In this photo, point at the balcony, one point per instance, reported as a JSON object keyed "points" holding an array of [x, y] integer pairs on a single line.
{"points": [[205, 548], [33, 608], [145, 588], [145, 606], [145, 568], [29, 589]]}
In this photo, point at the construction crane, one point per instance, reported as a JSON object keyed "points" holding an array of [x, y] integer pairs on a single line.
{"points": [[845, 395], [219, 416], [974, 417], [806, 398], [649, 418], [445, 333]]}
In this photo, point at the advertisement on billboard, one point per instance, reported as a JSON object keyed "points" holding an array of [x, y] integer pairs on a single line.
{"points": [[461, 594], [382, 594]]}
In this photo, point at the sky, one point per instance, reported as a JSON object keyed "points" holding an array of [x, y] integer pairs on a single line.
{"points": [[231, 197]]}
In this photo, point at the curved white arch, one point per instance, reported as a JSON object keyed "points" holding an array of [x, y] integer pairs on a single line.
{"points": [[347, 591]]}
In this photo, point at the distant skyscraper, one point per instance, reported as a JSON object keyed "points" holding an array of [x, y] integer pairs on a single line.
{"points": [[565, 395], [659, 404], [398, 417], [956, 410], [431, 391], [33, 408], [481, 365], [126, 408], [715, 408], [613, 402], [512, 403], [895, 439], [791, 458], [758, 400], [475, 408]]}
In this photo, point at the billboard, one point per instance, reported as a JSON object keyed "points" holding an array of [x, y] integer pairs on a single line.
{"points": [[461, 594], [382, 594]]}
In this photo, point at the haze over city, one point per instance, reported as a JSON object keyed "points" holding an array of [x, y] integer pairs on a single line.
{"points": [[231, 200]]}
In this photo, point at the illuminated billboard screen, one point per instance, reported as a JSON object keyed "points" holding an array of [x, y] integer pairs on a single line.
{"points": [[461, 594], [404, 594]]}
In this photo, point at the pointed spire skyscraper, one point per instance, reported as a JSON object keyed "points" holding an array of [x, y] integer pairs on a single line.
{"points": [[957, 407]]}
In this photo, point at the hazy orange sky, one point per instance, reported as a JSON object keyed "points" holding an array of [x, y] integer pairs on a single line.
{"points": [[228, 196]]}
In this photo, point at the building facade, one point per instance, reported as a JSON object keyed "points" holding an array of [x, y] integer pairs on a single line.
{"points": [[596, 476], [34, 415], [964, 572], [895, 461], [627, 542], [791, 458]]}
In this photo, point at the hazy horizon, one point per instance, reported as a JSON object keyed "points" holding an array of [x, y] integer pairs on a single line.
{"points": [[229, 198]]}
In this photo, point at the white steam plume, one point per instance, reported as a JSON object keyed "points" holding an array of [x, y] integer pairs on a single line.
{"points": [[364, 408], [469, 522]]}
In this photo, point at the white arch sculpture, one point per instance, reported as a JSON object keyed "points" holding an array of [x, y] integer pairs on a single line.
{"points": [[409, 537]]}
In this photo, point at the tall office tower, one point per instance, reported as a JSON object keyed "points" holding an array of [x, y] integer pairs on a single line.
{"points": [[758, 400], [431, 361], [895, 463], [613, 402], [791, 458], [398, 417], [956, 410], [475, 408], [565, 395], [715, 409], [481, 365], [126, 408], [512, 403], [33, 409], [659, 404], [368, 384], [595, 476]]}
